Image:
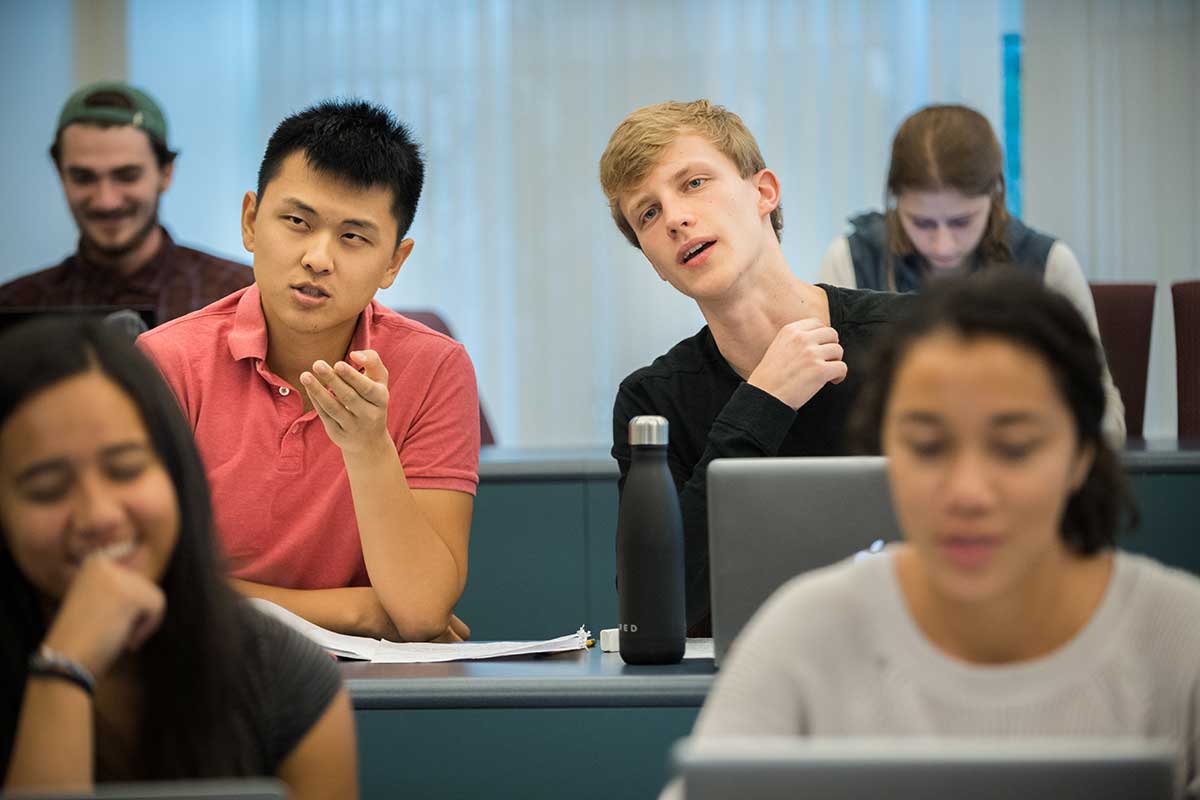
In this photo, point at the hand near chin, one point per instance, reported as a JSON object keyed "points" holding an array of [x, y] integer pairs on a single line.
{"points": [[108, 609], [803, 357], [351, 404]]}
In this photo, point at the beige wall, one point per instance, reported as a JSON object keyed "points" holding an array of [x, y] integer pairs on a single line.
{"points": [[99, 40]]}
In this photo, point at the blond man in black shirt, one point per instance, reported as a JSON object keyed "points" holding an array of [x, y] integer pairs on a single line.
{"points": [[773, 373]]}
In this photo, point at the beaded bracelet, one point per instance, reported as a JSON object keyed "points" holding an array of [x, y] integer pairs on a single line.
{"points": [[50, 663]]}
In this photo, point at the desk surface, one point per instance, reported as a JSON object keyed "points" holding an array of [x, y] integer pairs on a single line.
{"points": [[512, 463], [580, 679], [1162, 455]]}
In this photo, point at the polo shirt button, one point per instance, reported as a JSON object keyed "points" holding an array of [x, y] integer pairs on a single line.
{"points": [[285, 391]]}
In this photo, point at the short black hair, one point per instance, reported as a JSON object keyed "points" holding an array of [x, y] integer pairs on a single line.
{"points": [[360, 143], [1003, 302]]}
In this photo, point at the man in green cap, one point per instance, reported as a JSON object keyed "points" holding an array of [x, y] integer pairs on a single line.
{"points": [[110, 148]]}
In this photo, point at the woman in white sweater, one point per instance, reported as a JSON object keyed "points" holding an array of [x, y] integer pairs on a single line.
{"points": [[1006, 611], [946, 216]]}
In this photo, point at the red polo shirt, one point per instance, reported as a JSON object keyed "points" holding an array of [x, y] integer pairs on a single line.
{"points": [[281, 498]]}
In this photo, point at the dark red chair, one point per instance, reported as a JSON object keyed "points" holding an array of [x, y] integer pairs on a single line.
{"points": [[1125, 312], [431, 319], [1185, 297]]}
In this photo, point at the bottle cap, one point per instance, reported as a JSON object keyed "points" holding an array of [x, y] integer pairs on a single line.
{"points": [[647, 430]]}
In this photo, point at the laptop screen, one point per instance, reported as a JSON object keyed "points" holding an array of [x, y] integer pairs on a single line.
{"points": [[770, 519], [133, 319], [848, 768]]}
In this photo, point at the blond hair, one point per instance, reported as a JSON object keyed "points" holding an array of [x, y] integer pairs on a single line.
{"points": [[638, 142]]}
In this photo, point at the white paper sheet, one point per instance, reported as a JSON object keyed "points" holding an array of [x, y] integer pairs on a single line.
{"points": [[384, 652], [340, 644]]}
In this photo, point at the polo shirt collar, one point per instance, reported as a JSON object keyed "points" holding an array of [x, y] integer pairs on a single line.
{"points": [[248, 338]]}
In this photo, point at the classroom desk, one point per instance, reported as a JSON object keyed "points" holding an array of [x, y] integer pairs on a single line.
{"points": [[578, 725], [585, 725], [542, 540]]}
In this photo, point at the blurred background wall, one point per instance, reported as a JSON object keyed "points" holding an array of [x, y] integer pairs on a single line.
{"points": [[513, 100]]}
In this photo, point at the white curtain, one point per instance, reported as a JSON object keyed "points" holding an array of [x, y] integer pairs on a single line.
{"points": [[35, 78], [514, 101], [1112, 151]]}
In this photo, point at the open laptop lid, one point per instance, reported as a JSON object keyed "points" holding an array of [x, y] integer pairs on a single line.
{"points": [[770, 519], [11, 316], [849, 768], [221, 789]]}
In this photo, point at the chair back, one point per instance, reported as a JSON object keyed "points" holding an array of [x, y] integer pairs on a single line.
{"points": [[1125, 312], [1185, 297], [431, 319]]}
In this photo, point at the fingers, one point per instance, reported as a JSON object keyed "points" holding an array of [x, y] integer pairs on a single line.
{"points": [[350, 386], [449, 636], [145, 624], [818, 330], [809, 330], [341, 388], [325, 404], [372, 365], [372, 390], [459, 627], [831, 351]]}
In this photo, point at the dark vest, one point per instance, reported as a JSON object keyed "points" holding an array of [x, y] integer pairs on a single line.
{"points": [[868, 250]]}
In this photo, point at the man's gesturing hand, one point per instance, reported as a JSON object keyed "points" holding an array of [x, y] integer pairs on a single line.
{"points": [[351, 404], [804, 356]]}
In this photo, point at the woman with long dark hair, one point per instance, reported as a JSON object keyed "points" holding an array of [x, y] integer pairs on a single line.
{"points": [[1007, 610], [945, 214], [125, 654]]}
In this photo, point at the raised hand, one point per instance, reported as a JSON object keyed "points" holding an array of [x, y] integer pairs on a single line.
{"points": [[803, 357], [351, 404]]}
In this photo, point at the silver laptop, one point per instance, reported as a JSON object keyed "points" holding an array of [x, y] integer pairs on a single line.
{"points": [[218, 789], [775, 768], [770, 519]]}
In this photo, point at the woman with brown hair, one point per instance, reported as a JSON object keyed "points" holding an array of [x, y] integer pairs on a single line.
{"points": [[945, 215]]}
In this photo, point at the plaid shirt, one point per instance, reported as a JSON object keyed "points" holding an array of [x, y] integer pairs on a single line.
{"points": [[175, 281]]}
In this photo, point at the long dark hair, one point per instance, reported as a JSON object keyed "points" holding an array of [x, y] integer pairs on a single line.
{"points": [[192, 721], [1003, 302]]}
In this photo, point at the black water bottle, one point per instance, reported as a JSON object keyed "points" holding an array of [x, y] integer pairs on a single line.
{"points": [[653, 620]]}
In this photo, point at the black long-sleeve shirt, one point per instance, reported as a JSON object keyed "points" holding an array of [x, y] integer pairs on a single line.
{"points": [[713, 413]]}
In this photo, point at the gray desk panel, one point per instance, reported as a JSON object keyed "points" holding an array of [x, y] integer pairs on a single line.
{"points": [[511, 463], [543, 535], [570, 680], [1161, 455], [531, 754]]}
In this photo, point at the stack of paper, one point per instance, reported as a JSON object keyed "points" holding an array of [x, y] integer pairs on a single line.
{"points": [[383, 652]]}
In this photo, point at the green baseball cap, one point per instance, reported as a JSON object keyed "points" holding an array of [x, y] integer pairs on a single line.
{"points": [[115, 103]]}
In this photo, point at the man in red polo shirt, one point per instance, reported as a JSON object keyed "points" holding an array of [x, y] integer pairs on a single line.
{"points": [[340, 439]]}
